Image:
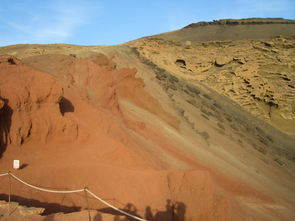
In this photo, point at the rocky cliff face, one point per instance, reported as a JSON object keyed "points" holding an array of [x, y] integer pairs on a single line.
{"points": [[32, 105], [258, 75]]}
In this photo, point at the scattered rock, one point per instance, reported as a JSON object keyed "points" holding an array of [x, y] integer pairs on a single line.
{"points": [[279, 161], [188, 44], [181, 63], [27, 211], [268, 43], [221, 61], [240, 60]]}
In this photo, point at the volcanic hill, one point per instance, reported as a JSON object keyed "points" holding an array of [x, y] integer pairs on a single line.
{"points": [[195, 124]]}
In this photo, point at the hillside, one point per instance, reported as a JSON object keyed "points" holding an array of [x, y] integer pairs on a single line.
{"points": [[165, 127], [233, 29]]}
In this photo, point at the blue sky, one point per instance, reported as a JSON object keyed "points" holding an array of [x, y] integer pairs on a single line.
{"points": [[107, 22]]}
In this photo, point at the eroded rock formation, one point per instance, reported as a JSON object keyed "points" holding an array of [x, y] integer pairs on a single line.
{"points": [[32, 109], [258, 75]]}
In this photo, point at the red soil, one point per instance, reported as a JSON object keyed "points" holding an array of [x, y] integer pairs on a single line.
{"points": [[63, 118]]}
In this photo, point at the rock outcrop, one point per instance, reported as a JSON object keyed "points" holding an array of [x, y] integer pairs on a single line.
{"points": [[258, 75], [32, 105]]}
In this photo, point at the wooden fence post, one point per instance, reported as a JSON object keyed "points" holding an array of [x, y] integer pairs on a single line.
{"points": [[87, 203]]}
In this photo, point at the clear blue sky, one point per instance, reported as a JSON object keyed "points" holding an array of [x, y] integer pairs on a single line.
{"points": [[108, 22]]}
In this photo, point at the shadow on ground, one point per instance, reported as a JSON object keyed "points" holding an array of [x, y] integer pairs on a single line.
{"points": [[5, 123], [49, 207], [175, 211]]}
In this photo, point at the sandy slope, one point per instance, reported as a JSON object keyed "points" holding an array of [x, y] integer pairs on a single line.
{"points": [[138, 133], [232, 29]]}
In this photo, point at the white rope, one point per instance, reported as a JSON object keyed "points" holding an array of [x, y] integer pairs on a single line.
{"points": [[73, 191], [43, 189], [115, 208], [4, 174]]}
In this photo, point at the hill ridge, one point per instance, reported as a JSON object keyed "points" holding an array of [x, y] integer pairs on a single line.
{"points": [[246, 21]]}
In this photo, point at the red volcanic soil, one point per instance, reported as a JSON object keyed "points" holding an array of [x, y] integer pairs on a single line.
{"points": [[83, 122]]}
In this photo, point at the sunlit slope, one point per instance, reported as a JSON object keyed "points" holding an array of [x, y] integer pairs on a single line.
{"points": [[232, 29], [154, 123]]}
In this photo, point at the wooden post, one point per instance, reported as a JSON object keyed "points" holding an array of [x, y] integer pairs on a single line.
{"points": [[9, 195], [87, 203]]}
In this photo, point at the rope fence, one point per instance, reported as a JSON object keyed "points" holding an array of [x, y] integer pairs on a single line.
{"points": [[4, 174], [85, 190]]}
